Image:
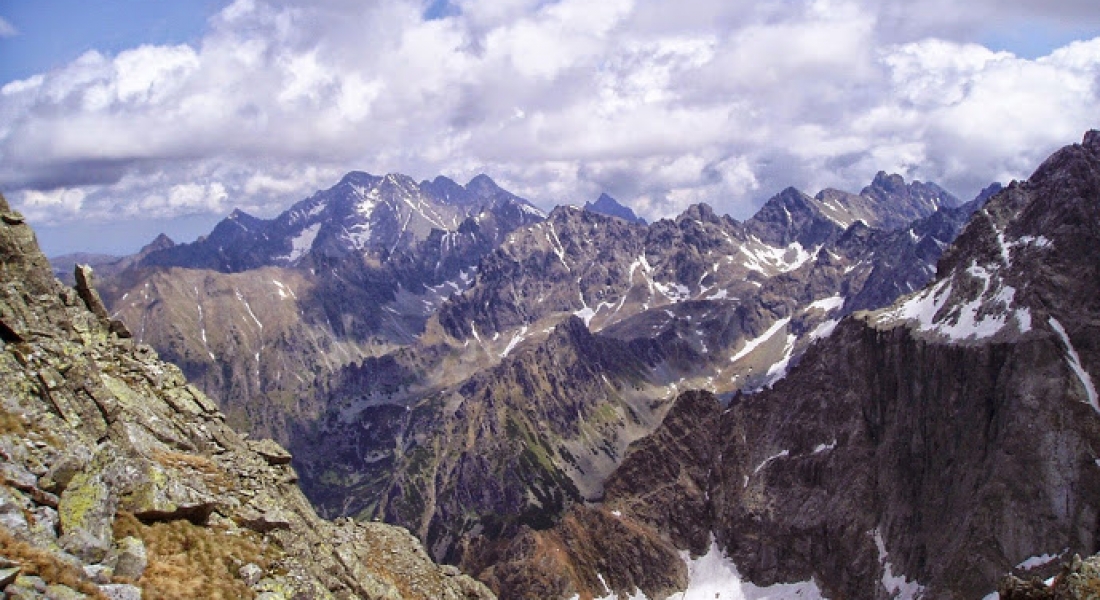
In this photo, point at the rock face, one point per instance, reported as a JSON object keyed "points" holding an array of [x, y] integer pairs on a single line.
{"points": [[921, 450], [121, 479]]}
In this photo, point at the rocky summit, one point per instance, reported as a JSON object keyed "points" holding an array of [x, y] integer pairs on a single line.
{"points": [[121, 480]]}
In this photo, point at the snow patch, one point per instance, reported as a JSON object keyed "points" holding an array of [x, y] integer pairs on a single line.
{"points": [[516, 339], [586, 314], [824, 330], [284, 291], [1038, 561], [531, 210], [675, 292], [818, 449], [713, 576], [969, 324], [898, 586], [764, 463], [754, 343], [248, 307], [1074, 361], [556, 246], [1030, 240], [764, 258], [828, 304], [779, 369], [303, 242]]}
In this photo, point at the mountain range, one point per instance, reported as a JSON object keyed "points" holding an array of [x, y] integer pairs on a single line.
{"points": [[513, 386]]}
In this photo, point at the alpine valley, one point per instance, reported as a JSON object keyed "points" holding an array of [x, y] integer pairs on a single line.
{"points": [[875, 395]]}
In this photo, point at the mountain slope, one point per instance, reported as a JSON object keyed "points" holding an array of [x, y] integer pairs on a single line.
{"points": [[963, 409], [469, 442], [261, 326], [120, 478], [922, 450]]}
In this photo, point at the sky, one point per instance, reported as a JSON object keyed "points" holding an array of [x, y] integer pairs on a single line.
{"points": [[121, 119]]}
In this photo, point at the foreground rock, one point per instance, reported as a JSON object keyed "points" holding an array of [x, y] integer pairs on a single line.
{"points": [[121, 480], [1079, 580]]}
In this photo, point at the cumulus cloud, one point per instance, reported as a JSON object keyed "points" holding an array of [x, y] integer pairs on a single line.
{"points": [[661, 104]]}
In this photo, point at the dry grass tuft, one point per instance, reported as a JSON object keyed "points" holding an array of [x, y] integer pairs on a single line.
{"points": [[45, 565], [12, 423], [192, 561]]}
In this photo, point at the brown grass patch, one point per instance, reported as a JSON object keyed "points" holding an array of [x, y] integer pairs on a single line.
{"points": [[192, 561], [45, 565], [12, 423]]}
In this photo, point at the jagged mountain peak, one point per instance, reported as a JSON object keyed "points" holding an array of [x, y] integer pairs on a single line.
{"points": [[1092, 140], [699, 212], [890, 183], [915, 194], [607, 205], [483, 186], [791, 216], [887, 203], [359, 178], [361, 214], [161, 241], [989, 191], [1029, 236]]}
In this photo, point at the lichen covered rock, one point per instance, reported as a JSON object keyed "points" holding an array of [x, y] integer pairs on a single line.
{"points": [[119, 477]]}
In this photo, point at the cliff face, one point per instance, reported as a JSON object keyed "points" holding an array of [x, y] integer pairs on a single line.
{"points": [[922, 450], [939, 443], [121, 479]]}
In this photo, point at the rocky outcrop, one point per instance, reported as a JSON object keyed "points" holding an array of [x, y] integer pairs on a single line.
{"points": [[1079, 580], [121, 480]]}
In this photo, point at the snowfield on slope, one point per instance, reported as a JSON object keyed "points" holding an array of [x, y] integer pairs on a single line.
{"points": [[714, 577]]}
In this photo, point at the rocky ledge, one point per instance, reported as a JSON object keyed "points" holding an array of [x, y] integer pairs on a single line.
{"points": [[120, 480]]}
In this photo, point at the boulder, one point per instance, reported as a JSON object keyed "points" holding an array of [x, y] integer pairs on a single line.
{"points": [[118, 591], [271, 451], [131, 558], [86, 510]]}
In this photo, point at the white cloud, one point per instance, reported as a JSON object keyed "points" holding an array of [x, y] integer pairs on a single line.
{"points": [[52, 205], [182, 199], [662, 104]]}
